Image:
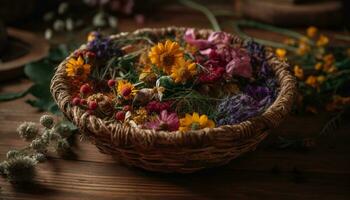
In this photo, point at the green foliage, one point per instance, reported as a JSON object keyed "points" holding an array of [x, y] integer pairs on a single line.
{"points": [[189, 101], [40, 73]]}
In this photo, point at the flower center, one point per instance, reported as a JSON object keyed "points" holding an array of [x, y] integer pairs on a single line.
{"points": [[163, 126], [195, 126], [79, 71], [168, 60], [126, 91]]}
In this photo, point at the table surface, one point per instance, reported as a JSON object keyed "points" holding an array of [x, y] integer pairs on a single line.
{"points": [[322, 172]]}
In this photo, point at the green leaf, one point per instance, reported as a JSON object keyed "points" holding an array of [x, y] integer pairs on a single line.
{"points": [[14, 95], [39, 72]]}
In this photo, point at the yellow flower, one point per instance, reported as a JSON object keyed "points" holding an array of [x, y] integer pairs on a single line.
{"points": [[348, 52], [303, 48], [77, 68], [311, 31], [165, 56], [331, 69], [191, 49], [289, 41], [195, 122], [281, 53], [328, 59], [92, 36], [147, 73], [126, 89], [322, 41], [312, 81], [329, 66], [140, 116], [183, 71], [321, 79], [298, 71], [318, 66]]}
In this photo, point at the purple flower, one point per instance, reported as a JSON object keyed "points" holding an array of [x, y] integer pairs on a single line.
{"points": [[258, 59], [258, 92], [241, 107], [103, 48], [164, 121]]}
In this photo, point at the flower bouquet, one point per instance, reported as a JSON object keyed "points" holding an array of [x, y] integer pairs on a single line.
{"points": [[173, 99]]}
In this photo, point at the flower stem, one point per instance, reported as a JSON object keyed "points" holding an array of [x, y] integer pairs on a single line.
{"points": [[204, 10], [247, 23]]}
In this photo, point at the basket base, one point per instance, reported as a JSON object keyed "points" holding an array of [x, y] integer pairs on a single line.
{"points": [[154, 160]]}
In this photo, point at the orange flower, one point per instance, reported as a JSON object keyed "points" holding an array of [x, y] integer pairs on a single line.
{"points": [[303, 48], [281, 53], [318, 66], [311, 31], [322, 41], [312, 81], [289, 41], [328, 59], [298, 72], [77, 68], [321, 79], [126, 89]]}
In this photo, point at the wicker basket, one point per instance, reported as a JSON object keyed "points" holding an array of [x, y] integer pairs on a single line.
{"points": [[177, 151]]}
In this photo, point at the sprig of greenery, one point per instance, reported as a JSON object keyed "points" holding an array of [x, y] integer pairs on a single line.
{"points": [[206, 11], [190, 100]]}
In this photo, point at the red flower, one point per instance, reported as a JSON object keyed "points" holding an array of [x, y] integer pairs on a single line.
{"points": [[120, 116], [157, 107], [213, 74]]}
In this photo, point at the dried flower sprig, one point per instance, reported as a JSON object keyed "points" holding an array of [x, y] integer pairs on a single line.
{"points": [[19, 166]]}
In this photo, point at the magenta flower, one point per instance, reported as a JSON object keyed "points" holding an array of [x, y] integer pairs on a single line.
{"points": [[220, 55], [239, 65], [164, 121], [190, 38], [220, 39], [158, 107]]}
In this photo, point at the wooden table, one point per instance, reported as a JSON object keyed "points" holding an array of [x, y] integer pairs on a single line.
{"points": [[323, 172]]}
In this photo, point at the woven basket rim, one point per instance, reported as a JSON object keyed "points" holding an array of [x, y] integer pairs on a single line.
{"points": [[280, 107]]}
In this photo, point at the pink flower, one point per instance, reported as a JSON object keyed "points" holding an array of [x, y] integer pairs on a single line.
{"points": [[215, 39], [190, 38], [239, 65], [220, 59], [220, 38], [164, 121]]}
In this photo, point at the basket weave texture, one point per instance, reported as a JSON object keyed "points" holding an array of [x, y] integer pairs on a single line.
{"points": [[177, 151]]}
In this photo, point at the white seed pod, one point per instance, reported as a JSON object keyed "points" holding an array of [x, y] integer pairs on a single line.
{"points": [[3, 167], [62, 146], [49, 136], [40, 157], [28, 130], [38, 145], [47, 121], [20, 169], [12, 153]]}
